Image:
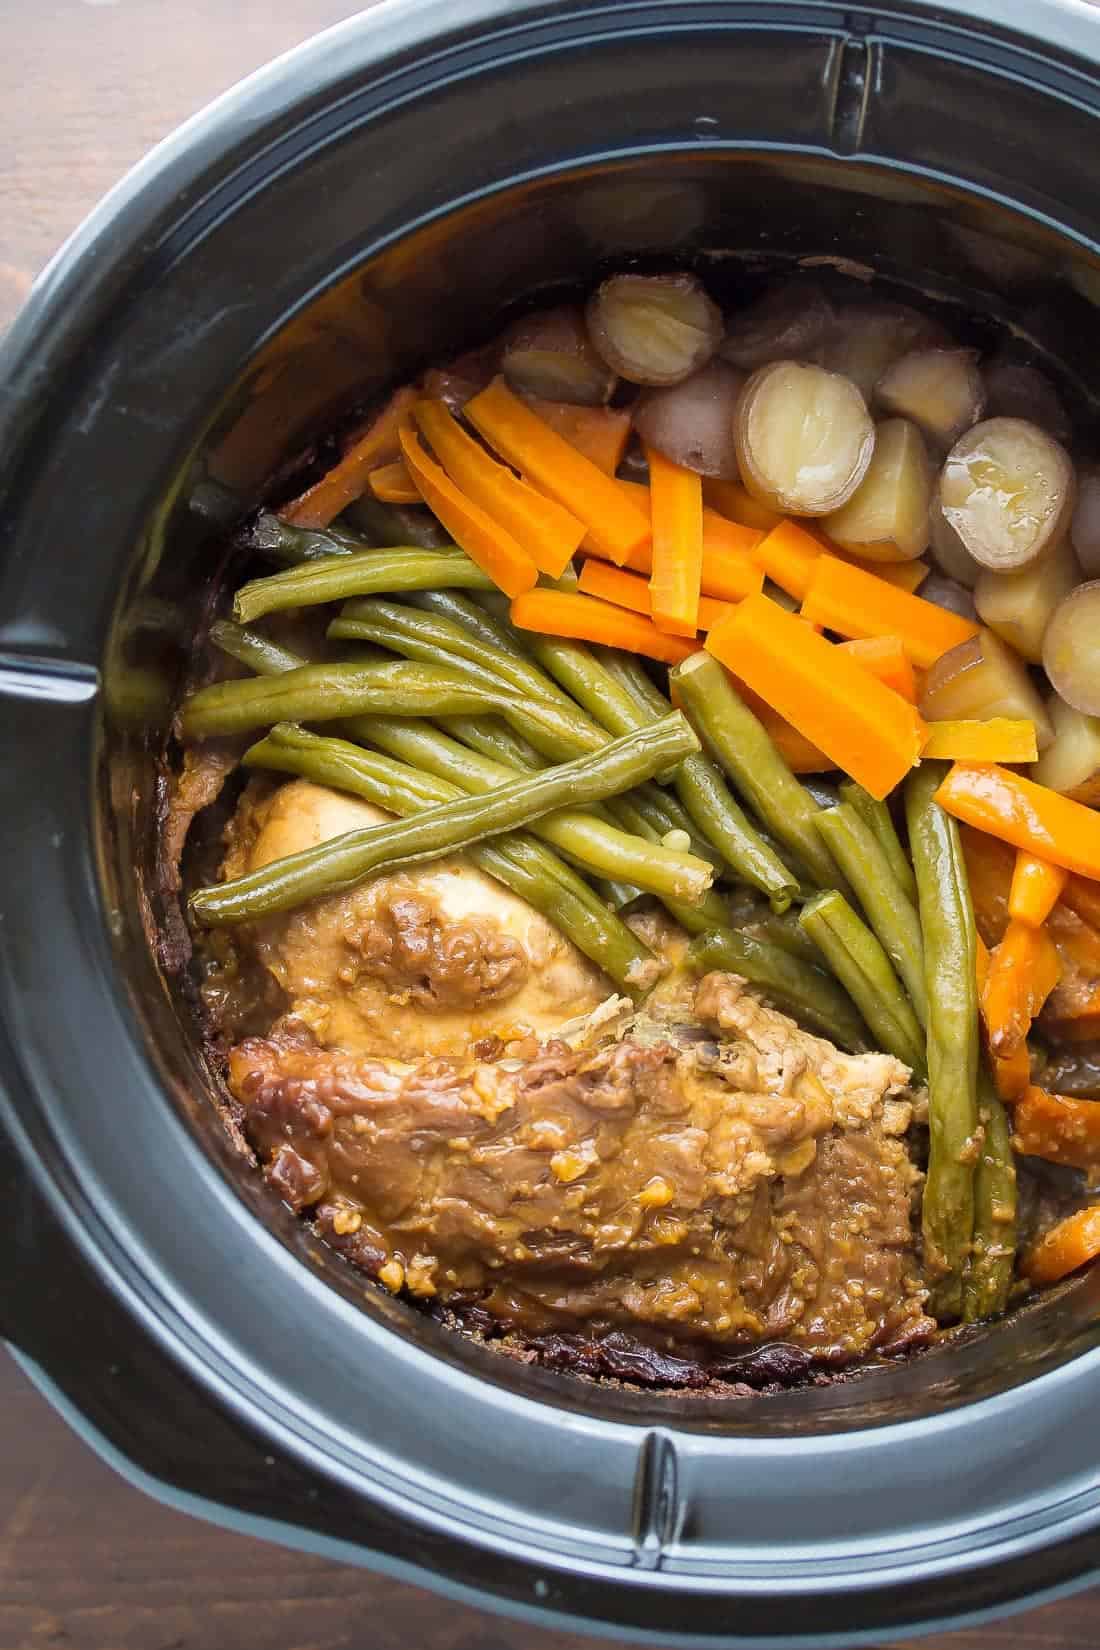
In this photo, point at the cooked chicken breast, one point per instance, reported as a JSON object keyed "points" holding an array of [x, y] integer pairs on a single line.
{"points": [[427, 961], [728, 1179]]}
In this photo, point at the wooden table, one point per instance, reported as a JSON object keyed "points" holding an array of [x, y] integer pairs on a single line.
{"points": [[86, 86]]}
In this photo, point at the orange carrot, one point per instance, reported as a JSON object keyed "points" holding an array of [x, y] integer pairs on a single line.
{"points": [[615, 584], [616, 527], [1058, 1127], [788, 555], [484, 540], [728, 571], [868, 730], [885, 658], [1036, 889], [1011, 1072], [1001, 739], [1072, 1243], [1024, 814], [1023, 971], [600, 433], [730, 499], [796, 750], [676, 509], [347, 480], [393, 484], [548, 533], [584, 619], [854, 602]]}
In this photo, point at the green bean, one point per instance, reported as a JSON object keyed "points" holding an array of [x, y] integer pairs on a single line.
{"points": [[491, 737], [526, 867], [989, 1271], [363, 573], [798, 988], [706, 797], [453, 604], [947, 923], [435, 639], [784, 930], [861, 965], [581, 835], [388, 525], [335, 866], [324, 692], [294, 546], [633, 678], [265, 657], [888, 908], [643, 811], [573, 665], [731, 734], [876, 816]]}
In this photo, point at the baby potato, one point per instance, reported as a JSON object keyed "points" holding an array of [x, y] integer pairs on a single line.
{"points": [[941, 390], [1019, 606], [951, 554], [1071, 762], [1008, 490], [886, 518], [550, 354], [654, 329], [692, 422], [1015, 389], [787, 324], [867, 338], [804, 438], [1071, 648], [1085, 527], [980, 679]]}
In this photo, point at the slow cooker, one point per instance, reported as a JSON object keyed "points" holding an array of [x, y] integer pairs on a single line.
{"points": [[355, 210]]}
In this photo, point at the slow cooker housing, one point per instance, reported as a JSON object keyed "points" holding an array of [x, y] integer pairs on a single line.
{"points": [[370, 203]]}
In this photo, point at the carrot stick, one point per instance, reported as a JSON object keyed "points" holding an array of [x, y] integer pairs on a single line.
{"points": [[1024, 814], [393, 484], [1058, 1127], [796, 750], [1011, 1072], [548, 533], [347, 480], [728, 571], [730, 499], [615, 584], [1070, 1244], [1036, 889], [1023, 971], [886, 658], [616, 527], [866, 728], [484, 541], [854, 602], [788, 555], [676, 509], [600, 433], [1001, 739], [584, 619]]}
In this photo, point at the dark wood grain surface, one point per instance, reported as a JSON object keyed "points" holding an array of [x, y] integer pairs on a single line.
{"points": [[86, 1561]]}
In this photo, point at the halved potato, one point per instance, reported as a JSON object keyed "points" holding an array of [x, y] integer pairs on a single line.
{"points": [[804, 438], [1071, 762], [980, 679], [549, 353], [1007, 489], [948, 549], [886, 518], [1071, 649], [1019, 606], [866, 338], [941, 390], [654, 329]]}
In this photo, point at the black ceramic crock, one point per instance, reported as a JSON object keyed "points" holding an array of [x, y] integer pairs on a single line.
{"points": [[366, 204]]}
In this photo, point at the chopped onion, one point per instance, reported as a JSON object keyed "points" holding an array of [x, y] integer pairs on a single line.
{"points": [[804, 438], [1071, 648], [692, 422], [1007, 489], [788, 323], [654, 329], [550, 354]]}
